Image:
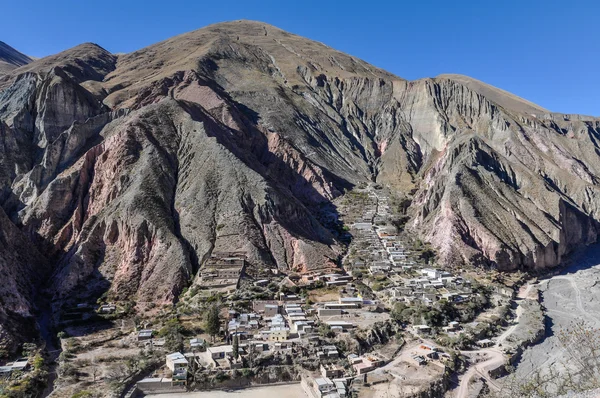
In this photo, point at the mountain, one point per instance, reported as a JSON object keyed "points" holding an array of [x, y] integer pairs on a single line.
{"points": [[124, 173], [11, 59]]}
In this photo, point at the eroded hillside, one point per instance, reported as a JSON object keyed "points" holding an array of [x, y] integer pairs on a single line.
{"points": [[127, 172]]}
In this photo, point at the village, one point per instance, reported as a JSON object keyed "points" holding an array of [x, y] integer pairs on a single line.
{"points": [[386, 279], [387, 317]]}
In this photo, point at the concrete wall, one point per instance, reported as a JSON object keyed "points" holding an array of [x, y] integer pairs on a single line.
{"points": [[329, 312]]}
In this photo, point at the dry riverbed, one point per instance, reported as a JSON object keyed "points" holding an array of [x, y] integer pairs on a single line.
{"points": [[569, 297]]}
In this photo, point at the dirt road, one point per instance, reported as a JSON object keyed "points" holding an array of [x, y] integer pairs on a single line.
{"points": [[495, 357]]}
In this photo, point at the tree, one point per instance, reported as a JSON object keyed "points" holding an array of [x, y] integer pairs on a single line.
{"points": [[236, 346], [38, 362], [397, 312], [404, 205], [95, 371], [325, 330], [172, 334], [29, 349], [428, 254], [400, 223], [213, 321]]}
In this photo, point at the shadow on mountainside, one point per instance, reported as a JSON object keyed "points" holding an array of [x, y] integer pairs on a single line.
{"points": [[581, 259], [252, 148]]}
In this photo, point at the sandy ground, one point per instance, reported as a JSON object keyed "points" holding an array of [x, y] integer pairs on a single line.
{"points": [[403, 375], [281, 391], [361, 318], [571, 296]]}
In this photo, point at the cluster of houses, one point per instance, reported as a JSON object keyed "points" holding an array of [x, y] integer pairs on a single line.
{"points": [[375, 246], [332, 382], [325, 387], [431, 286], [273, 327], [364, 364], [377, 250]]}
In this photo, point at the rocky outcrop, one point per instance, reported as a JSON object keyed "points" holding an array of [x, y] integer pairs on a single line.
{"points": [[22, 268], [488, 192]]}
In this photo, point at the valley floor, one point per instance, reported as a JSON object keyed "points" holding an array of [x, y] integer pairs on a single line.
{"points": [[570, 297]]}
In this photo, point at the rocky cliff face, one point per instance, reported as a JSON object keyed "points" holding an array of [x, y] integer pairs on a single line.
{"points": [[128, 172], [22, 268]]}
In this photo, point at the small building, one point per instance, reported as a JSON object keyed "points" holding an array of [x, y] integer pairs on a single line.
{"points": [[20, 364], [145, 334], [178, 365], [198, 343], [328, 352], [283, 346], [343, 325], [452, 326], [321, 312], [428, 347], [324, 385], [258, 306], [419, 359], [107, 308], [329, 370], [363, 367], [431, 273], [219, 352], [279, 334], [176, 361], [345, 306], [354, 359], [358, 301], [422, 329], [270, 310], [485, 343]]}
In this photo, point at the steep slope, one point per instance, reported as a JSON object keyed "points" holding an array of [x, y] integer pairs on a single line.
{"points": [[128, 172], [22, 268], [496, 95], [501, 186], [11, 59]]}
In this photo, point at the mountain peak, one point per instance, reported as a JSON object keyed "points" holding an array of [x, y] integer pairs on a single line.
{"points": [[86, 61], [11, 58]]}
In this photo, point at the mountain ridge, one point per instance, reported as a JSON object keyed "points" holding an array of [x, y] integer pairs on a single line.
{"points": [[11, 59], [127, 172]]}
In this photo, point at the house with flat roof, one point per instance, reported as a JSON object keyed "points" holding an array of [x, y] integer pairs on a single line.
{"points": [[178, 365], [331, 370], [145, 334], [219, 352], [278, 334], [324, 385], [351, 300], [344, 325], [176, 361], [270, 310]]}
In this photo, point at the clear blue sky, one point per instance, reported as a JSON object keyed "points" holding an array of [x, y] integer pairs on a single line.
{"points": [[547, 51]]}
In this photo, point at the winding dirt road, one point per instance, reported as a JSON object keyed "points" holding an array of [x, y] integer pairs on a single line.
{"points": [[495, 357]]}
